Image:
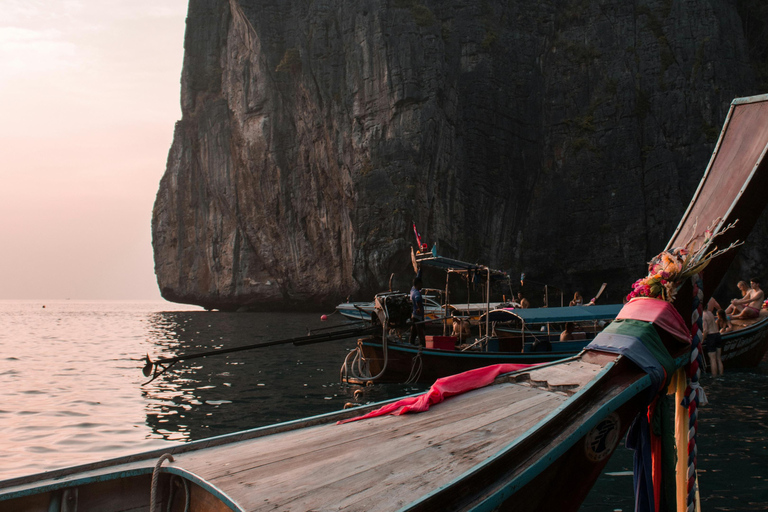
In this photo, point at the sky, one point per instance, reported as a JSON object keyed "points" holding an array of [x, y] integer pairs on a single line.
{"points": [[89, 94]]}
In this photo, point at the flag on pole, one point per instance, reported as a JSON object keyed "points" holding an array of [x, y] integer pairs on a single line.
{"points": [[418, 236]]}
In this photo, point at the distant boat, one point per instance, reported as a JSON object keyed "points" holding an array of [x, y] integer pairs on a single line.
{"points": [[362, 311], [518, 334], [747, 345]]}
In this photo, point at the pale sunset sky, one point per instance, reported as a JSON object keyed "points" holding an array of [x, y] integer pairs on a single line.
{"points": [[89, 94]]}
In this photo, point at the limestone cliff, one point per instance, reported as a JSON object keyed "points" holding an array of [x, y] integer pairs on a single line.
{"points": [[563, 138]]}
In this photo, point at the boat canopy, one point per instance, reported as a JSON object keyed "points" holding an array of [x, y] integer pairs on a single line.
{"points": [[561, 314], [451, 265]]}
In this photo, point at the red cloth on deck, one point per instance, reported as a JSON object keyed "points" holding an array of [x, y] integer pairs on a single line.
{"points": [[659, 312], [443, 388]]}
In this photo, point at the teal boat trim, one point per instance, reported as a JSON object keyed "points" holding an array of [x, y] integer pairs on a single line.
{"points": [[67, 484], [456, 354], [517, 441], [530, 473], [539, 466]]}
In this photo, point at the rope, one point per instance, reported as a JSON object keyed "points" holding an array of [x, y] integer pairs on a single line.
{"points": [[156, 479], [694, 393], [175, 480], [416, 368]]}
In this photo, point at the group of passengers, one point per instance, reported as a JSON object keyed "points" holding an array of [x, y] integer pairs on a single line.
{"points": [[718, 321]]}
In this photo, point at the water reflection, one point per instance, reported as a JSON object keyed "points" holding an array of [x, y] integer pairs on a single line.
{"points": [[732, 449], [221, 394]]}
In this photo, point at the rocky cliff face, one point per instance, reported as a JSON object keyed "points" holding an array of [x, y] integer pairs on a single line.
{"points": [[562, 138]]}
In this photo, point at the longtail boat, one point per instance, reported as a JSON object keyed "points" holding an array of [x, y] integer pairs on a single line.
{"points": [[494, 438], [381, 358], [747, 345], [472, 452]]}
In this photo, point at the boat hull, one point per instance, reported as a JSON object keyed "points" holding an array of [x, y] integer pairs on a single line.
{"points": [[488, 449], [746, 347], [122, 490], [408, 362]]}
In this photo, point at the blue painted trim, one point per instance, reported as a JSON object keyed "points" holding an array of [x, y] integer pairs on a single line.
{"points": [[104, 477], [79, 482], [544, 462], [493, 356]]}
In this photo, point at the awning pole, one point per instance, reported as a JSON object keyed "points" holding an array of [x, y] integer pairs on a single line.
{"points": [[487, 303], [445, 312]]}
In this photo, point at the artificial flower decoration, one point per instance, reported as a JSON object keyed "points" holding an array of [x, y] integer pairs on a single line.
{"points": [[668, 270]]}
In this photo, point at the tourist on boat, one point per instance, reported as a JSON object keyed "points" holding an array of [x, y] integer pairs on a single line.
{"points": [[577, 300], [417, 313], [735, 307], [713, 342], [723, 323], [461, 328], [567, 334], [751, 303]]}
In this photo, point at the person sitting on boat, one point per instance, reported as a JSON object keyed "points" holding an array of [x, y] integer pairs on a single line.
{"points": [[735, 307], [461, 328], [523, 301], [577, 300], [723, 323], [567, 334], [712, 341], [417, 313], [752, 301]]}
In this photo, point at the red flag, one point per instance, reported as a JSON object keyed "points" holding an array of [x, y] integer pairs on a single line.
{"points": [[418, 236]]}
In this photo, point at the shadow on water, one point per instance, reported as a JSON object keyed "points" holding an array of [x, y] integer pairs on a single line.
{"points": [[221, 394], [732, 449]]}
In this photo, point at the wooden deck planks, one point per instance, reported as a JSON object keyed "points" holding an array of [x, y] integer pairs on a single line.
{"points": [[386, 452], [337, 466], [572, 375], [424, 470], [283, 446]]}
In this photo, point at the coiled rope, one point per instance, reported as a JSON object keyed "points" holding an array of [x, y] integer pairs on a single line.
{"points": [[156, 479]]}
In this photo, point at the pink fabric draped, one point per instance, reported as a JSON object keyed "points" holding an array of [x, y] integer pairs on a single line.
{"points": [[659, 312], [444, 388]]}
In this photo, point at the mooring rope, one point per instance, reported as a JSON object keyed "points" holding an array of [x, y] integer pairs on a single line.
{"points": [[174, 480], [156, 479], [694, 393], [416, 368]]}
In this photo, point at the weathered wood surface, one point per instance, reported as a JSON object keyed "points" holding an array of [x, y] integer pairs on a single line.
{"points": [[382, 463]]}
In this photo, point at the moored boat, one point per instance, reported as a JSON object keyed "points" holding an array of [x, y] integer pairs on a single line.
{"points": [[496, 446], [391, 357], [362, 311], [746, 346]]}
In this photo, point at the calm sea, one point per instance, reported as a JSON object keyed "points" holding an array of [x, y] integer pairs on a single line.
{"points": [[73, 392]]}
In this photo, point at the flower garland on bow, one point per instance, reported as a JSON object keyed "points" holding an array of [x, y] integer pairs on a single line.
{"points": [[668, 270], [666, 273]]}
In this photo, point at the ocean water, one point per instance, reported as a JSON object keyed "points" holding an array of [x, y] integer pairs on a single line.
{"points": [[74, 392]]}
